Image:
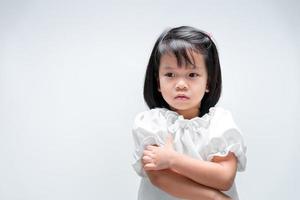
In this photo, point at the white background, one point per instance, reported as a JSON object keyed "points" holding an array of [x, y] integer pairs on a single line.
{"points": [[71, 79]]}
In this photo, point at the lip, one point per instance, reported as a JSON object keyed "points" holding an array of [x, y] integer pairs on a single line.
{"points": [[182, 97]]}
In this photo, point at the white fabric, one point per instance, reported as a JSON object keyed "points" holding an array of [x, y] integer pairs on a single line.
{"points": [[214, 134]]}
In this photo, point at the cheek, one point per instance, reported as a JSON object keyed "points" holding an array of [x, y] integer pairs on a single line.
{"points": [[166, 90], [164, 84], [200, 90]]}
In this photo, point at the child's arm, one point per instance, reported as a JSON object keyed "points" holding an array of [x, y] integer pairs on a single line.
{"points": [[183, 187], [218, 174]]}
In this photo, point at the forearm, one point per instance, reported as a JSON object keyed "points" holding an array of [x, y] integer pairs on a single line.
{"points": [[210, 174], [183, 187]]}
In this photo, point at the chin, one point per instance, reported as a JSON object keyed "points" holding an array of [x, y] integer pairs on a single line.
{"points": [[183, 106], [180, 107]]}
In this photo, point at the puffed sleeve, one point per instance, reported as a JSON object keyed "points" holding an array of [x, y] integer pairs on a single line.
{"points": [[225, 137], [149, 128]]}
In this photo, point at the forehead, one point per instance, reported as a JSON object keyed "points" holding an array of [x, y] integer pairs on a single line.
{"points": [[169, 61]]}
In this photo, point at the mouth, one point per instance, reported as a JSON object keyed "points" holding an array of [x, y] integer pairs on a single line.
{"points": [[182, 97]]}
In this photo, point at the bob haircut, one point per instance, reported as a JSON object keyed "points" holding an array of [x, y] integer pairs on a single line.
{"points": [[180, 41]]}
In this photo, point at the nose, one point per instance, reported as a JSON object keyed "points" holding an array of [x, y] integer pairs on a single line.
{"points": [[181, 84]]}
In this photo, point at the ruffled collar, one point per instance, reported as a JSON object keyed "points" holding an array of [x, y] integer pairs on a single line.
{"points": [[176, 121]]}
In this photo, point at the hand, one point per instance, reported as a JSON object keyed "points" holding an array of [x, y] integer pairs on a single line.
{"points": [[157, 158]]}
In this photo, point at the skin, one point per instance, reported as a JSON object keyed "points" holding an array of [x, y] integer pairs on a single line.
{"points": [[191, 82], [211, 177], [182, 187]]}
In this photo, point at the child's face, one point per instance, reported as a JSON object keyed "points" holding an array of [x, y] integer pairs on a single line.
{"points": [[175, 81]]}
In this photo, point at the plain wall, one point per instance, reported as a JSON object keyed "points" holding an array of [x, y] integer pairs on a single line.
{"points": [[71, 80]]}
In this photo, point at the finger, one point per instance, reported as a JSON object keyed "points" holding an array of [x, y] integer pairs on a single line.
{"points": [[147, 159], [148, 153], [150, 147], [149, 166]]}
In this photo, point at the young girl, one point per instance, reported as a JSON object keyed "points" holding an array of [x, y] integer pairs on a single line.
{"points": [[185, 147]]}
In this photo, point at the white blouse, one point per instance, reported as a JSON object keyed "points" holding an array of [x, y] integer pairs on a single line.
{"points": [[213, 134]]}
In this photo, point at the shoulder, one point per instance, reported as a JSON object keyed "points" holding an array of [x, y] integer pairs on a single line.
{"points": [[221, 121], [151, 114], [155, 116], [218, 111], [220, 114]]}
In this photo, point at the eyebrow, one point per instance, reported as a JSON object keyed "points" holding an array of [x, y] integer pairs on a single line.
{"points": [[169, 67]]}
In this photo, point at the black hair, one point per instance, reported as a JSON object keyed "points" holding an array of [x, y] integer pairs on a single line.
{"points": [[179, 41]]}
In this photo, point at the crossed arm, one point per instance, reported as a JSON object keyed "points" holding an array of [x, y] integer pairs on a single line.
{"points": [[218, 174], [182, 187], [186, 177]]}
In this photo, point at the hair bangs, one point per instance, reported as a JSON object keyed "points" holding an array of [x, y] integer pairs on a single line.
{"points": [[181, 49]]}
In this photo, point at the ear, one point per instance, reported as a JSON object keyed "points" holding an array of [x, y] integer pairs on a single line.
{"points": [[207, 90]]}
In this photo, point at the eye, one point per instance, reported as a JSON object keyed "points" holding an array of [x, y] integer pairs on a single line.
{"points": [[170, 74], [193, 75]]}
